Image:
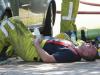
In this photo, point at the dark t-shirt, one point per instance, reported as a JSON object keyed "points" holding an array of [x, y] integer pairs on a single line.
{"points": [[61, 53]]}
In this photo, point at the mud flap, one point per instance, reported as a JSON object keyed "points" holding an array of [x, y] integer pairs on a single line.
{"points": [[49, 19]]}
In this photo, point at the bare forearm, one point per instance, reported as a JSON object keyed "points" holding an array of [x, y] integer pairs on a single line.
{"points": [[43, 54]]}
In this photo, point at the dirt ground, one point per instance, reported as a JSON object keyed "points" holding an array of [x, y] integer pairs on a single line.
{"points": [[17, 67]]}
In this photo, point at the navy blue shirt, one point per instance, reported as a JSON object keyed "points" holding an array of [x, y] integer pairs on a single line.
{"points": [[61, 53]]}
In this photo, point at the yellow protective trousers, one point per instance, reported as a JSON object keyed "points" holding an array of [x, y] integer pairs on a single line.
{"points": [[14, 33], [69, 12]]}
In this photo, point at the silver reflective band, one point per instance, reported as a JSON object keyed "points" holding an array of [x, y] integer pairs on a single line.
{"points": [[4, 30], [10, 25], [69, 16], [70, 10]]}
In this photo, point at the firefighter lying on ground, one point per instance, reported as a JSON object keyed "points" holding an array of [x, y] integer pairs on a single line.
{"points": [[14, 33]]}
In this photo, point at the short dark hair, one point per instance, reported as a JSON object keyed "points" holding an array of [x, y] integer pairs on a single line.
{"points": [[89, 58]]}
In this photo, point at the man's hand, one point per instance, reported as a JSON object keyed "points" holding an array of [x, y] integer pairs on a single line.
{"points": [[37, 42]]}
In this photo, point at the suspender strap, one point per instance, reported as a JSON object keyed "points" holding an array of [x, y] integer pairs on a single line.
{"points": [[57, 43], [63, 44], [43, 43]]}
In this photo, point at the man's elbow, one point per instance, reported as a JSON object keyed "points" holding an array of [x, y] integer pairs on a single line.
{"points": [[49, 60]]}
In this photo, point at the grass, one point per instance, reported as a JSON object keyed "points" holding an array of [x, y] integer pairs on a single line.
{"points": [[30, 18]]}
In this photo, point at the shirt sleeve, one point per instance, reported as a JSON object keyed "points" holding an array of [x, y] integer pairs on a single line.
{"points": [[65, 56]]}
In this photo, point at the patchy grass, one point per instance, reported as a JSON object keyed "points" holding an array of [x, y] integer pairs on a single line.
{"points": [[30, 18]]}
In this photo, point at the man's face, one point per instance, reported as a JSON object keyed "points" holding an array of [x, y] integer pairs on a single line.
{"points": [[88, 50]]}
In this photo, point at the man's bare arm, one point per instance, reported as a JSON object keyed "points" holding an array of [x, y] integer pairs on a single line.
{"points": [[43, 54]]}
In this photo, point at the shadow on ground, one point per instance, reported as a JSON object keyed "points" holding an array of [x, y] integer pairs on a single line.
{"points": [[15, 67]]}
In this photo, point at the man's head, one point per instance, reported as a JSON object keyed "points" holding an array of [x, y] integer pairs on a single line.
{"points": [[88, 51]]}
